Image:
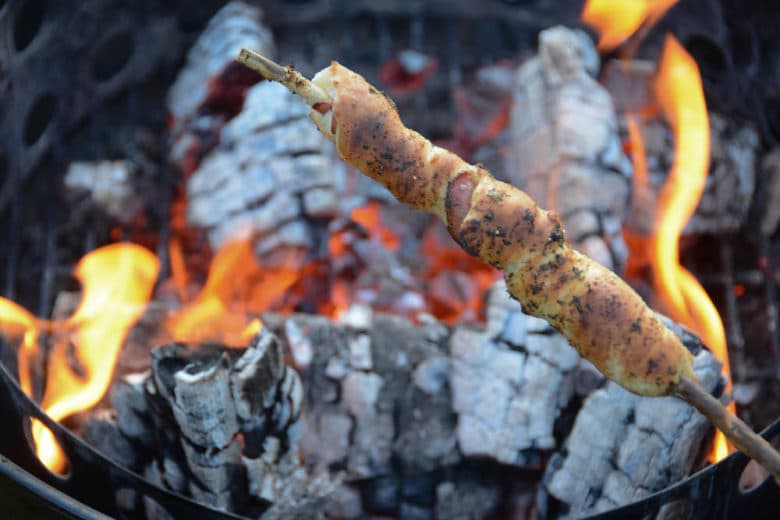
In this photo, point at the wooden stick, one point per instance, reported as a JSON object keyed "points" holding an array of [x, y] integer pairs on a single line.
{"points": [[739, 433], [287, 76], [685, 387]]}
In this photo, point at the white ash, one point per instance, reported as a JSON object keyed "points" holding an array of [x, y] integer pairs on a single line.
{"points": [[358, 316], [566, 147], [203, 406], [112, 186], [360, 352], [300, 347], [509, 383], [624, 447], [770, 178], [270, 174], [256, 372], [235, 26], [432, 375]]}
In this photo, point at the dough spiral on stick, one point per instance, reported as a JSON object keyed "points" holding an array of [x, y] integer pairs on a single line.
{"points": [[600, 315]]}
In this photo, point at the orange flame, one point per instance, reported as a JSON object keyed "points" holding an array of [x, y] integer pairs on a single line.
{"points": [[616, 21], [678, 89], [368, 216], [117, 283], [236, 286]]}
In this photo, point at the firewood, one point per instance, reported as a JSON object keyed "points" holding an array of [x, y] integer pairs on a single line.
{"points": [[600, 315], [565, 145]]}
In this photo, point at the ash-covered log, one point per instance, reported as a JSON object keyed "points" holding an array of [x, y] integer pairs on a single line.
{"points": [[410, 411], [565, 144], [211, 59], [406, 415], [258, 170], [224, 427], [267, 178]]}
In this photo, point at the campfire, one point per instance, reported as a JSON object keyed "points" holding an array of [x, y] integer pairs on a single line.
{"points": [[217, 313]]}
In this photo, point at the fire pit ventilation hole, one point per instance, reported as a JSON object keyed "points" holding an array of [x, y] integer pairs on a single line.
{"points": [[112, 55], [754, 474], [39, 117], [681, 509], [28, 23], [707, 54], [65, 473]]}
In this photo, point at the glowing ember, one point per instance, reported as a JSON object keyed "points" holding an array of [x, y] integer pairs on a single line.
{"points": [[458, 281], [117, 282], [368, 217], [407, 72], [616, 21]]}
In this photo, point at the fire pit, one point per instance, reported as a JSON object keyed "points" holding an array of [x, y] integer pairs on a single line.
{"points": [[261, 332]]}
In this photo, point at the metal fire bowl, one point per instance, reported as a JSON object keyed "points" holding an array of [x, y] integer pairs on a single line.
{"points": [[712, 493], [90, 489]]}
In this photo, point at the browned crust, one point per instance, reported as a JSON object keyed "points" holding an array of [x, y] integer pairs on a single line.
{"points": [[372, 138], [603, 318]]}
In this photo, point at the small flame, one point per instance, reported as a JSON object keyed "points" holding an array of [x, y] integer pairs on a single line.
{"points": [[117, 283], [616, 21], [678, 89], [16, 322], [235, 287], [178, 268], [252, 330]]}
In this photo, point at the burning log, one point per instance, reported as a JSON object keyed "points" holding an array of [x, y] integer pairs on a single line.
{"points": [[236, 25], [566, 149], [503, 226], [243, 152], [269, 176], [510, 384], [730, 184], [219, 425], [770, 173]]}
